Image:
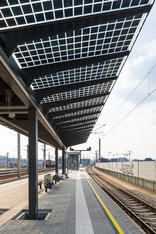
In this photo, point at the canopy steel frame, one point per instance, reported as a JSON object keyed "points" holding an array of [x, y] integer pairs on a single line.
{"points": [[40, 93], [77, 128], [72, 128], [12, 38], [52, 115], [47, 106], [58, 121], [34, 72], [58, 127]]}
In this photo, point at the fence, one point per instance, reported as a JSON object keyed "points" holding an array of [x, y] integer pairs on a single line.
{"points": [[142, 174]]}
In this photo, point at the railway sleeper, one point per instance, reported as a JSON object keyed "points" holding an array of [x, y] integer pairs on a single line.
{"points": [[148, 215], [152, 225], [137, 207], [134, 203], [151, 219], [140, 209], [129, 199], [139, 213], [130, 204]]}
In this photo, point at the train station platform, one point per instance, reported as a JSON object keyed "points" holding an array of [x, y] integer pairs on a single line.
{"points": [[76, 205]]}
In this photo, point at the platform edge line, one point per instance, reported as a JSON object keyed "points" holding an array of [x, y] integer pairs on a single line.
{"points": [[106, 209]]}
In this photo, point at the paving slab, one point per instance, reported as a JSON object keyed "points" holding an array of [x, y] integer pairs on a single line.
{"points": [[74, 209]]}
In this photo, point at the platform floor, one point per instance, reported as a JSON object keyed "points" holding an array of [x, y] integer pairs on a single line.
{"points": [[78, 206]]}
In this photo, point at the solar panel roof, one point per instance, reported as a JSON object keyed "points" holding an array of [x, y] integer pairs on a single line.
{"points": [[70, 53]]}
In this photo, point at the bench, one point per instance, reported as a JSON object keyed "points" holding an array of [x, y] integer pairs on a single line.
{"points": [[57, 178], [48, 184], [40, 184]]}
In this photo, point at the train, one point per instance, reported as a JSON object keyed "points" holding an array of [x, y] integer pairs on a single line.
{"points": [[49, 163]]}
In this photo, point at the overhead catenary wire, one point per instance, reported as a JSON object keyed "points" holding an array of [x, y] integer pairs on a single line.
{"points": [[99, 128], [11, 146], [11, 133], [148, 75], [130, 112]]}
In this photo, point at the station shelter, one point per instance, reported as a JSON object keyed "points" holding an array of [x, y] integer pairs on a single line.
{"points": [[74, 160], [58, 68]]}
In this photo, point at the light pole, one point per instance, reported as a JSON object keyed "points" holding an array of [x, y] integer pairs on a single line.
{"points": [[113, 162], [124, 155], [27, 160], [129, 153], [44, 157], [7, 163], [96, 152], [108, 155], [99, 148], [109, 159]]}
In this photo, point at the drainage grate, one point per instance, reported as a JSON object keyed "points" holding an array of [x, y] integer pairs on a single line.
{"points": [[2, 211], [24, 215]]}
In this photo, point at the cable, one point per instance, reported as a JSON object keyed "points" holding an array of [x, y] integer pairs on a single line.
{"points": [[98, 128], [8, 132], [12, 146], [147, 75], [130, 111]]}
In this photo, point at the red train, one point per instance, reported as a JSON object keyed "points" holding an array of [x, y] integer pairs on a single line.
{"points": [[49, 163]]}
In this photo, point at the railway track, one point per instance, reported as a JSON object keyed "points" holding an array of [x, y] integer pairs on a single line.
{"points": [[140, 211], [9, 175]]}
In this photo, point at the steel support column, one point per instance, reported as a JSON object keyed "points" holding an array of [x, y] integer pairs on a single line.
{"points": [[63, 161], [28, 159], [33, 163], [56, 160], [44, 157], [19, 154], [80, 157]]}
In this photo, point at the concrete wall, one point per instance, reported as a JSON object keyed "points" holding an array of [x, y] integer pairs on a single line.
{"points": [[146, 170]]}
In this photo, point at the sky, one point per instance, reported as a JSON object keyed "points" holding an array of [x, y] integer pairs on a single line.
{"points": [[135, 132], [129, 127]]}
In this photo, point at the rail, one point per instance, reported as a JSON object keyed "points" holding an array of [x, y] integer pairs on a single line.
{"points": [[10, 175], [141, 182], [143, 213]]}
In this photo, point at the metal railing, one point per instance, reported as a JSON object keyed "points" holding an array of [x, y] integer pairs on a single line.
{"points": [[141, 182]]}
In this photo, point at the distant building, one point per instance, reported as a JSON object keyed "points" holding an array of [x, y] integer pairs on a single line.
{"points": [[85, 162], [104, 159], [119, 160], [148, 159]]}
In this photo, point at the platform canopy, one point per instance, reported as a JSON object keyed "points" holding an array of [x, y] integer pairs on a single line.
{"points": [[63, 57]]}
